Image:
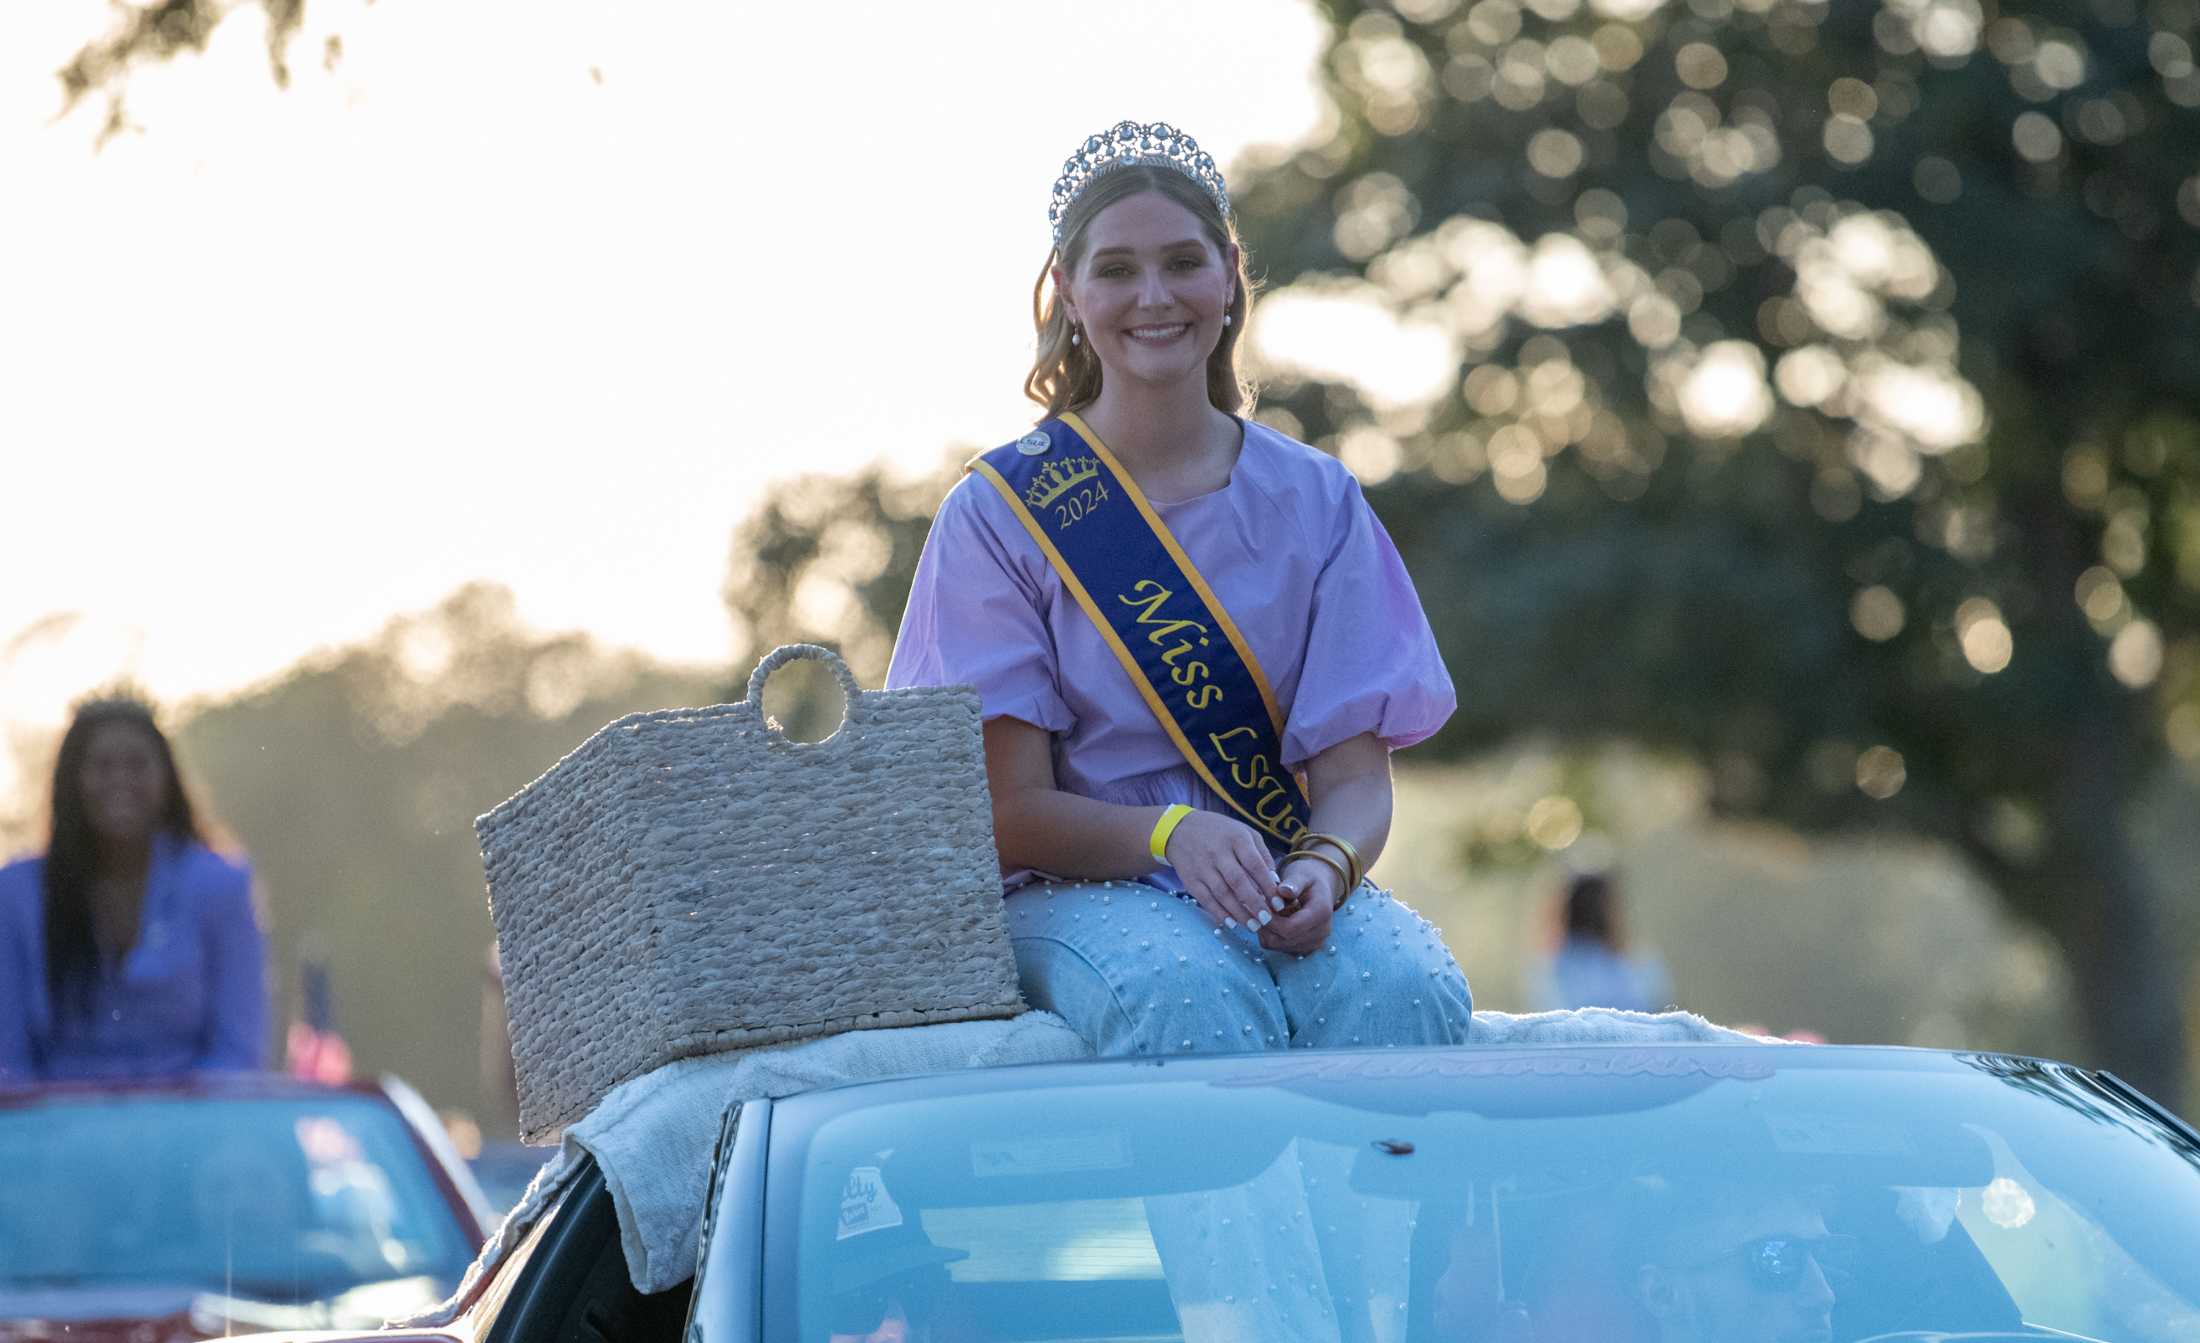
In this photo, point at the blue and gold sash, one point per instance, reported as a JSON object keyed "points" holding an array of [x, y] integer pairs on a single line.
{"points": [[1159, 617]]}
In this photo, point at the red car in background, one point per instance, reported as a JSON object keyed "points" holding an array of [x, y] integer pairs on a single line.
{"points": [[220, 1205]]}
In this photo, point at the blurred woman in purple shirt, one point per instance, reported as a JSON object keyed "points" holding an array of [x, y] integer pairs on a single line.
{"points": [[1143, 907], [129, 948]]}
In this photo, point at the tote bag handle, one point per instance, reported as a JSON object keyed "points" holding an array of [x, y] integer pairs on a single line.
{"points": [[852, 714]]}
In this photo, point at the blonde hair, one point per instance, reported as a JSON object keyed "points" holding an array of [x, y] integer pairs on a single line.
{"points": [[1065, 376]]}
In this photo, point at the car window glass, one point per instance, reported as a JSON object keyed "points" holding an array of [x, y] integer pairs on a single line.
{"points": [[2061, 1271], [1811, 1201], [279, 1200]]}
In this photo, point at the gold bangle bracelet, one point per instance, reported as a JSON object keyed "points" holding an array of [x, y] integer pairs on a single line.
{"points": [[1355, 870], [1330, 863]]}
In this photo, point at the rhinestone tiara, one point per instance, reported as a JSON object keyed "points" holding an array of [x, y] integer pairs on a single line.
{"points": [[1127, 143]]}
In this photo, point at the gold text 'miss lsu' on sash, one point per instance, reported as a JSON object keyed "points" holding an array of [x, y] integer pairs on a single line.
{"points": [[1159, 617]]}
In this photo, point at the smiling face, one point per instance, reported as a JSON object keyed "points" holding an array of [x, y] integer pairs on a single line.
{"points": [[1149, 291], [124, 783]]}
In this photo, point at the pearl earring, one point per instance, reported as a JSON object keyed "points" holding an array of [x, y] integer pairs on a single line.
{"points": [[1225, 319], [1073, 338]]}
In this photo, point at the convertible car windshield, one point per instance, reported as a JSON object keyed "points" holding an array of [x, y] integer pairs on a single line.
{"points": [[275, 1199], [1584, 1194]]}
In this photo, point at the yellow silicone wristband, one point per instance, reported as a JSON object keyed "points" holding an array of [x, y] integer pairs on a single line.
{"points": [[1172, 816]]}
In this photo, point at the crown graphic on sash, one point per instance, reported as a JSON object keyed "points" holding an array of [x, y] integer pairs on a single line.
{"points": [[1056, 479]]}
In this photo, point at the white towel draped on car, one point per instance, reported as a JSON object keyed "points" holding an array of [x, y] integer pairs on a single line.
{"points": [[1600, 1026], [652, 1137]]}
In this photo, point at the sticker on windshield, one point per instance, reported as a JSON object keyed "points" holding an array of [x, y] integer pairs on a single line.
{"points": [[1052, 1154], [865, 1205], [1843, 1135]]}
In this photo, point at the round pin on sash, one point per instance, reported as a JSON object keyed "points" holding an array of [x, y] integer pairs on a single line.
{"points": [[1034, 443]]}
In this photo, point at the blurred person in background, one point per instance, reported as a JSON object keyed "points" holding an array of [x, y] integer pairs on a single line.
{"points": [[1592, 966], [313, 1048], [129, 948]]}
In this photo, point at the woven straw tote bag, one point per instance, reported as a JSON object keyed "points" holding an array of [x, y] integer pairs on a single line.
{"points": [[692, 880]]}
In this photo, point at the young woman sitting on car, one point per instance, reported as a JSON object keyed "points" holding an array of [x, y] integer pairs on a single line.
{"points": [[1196, 648]]}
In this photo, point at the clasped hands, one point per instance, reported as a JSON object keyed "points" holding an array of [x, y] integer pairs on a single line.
{"points": [[1228, 870]]}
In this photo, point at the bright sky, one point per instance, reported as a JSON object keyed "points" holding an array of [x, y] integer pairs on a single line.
{"points": [[284, 363]]}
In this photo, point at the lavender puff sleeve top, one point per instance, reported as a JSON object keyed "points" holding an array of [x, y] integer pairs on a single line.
{"points": [[1291, 550], [190, 996]]}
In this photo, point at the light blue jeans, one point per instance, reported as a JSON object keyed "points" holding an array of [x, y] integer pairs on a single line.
{"points": [[1138, 970]]}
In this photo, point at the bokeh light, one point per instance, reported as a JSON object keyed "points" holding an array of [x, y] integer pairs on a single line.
{"points": [[1810, 376], [2135, 654], [2182, 731], [1345, 330], [1555, 153], [2037, 137], [1554, 823], [1983, 635], [1516, 464], [1724, 395], [1876, 613], [2085, 476], [1881, 772], [1937, 180], [1947, 30], [2170, 54], [1700, 65], [1934, 407], [1627, 10], [1565, 286], [1848, 139], [2100, 594], [1835, 495]]}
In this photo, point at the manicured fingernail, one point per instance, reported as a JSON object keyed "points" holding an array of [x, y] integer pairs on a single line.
{"points": [[1275, 902], [1228, 922], [1266, 918]]}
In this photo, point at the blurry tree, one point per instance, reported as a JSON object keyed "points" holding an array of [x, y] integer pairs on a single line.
{"points": [[1830, 409], [1875, 935], [353, 781], [26, 753], [1812, 389], [829, 559], [161, 29]]}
